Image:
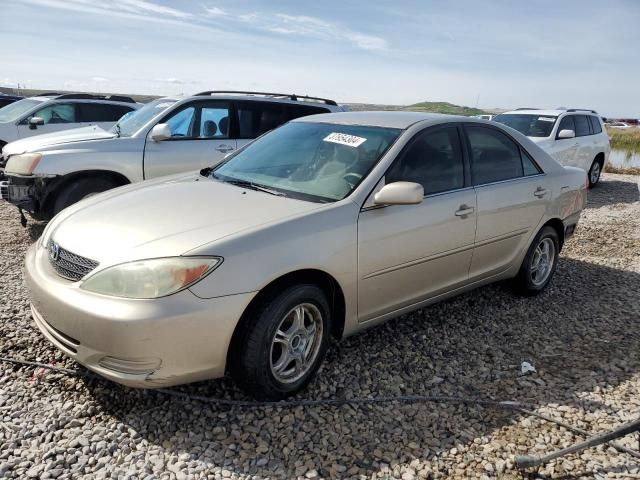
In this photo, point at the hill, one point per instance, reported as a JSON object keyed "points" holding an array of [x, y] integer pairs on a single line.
{"points": [[431, 107]]}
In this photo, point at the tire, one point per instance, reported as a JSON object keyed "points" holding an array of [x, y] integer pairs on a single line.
{"points": [[77, 190], [525, 282], [594, 173], [270, 368]]}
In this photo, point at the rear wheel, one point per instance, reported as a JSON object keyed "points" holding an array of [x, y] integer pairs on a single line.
{"points": [[594, 173], [77, 190], [539, 263], [285, 341]]}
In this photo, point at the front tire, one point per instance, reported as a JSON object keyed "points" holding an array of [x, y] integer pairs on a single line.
{"points": [[539, 264], [79, 189], [594, 173], [285, 340]]}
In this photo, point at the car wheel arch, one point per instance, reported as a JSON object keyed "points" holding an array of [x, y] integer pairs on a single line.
{"points": [[63, 181], [326, 282], [558, 226]]}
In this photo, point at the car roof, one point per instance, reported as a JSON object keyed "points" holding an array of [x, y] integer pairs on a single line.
{"points": [[387, 119], [548, 113], [290, 99]]}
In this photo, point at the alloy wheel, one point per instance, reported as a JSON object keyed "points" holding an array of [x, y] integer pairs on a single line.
{"points": [[296, 343], [542, 261]]}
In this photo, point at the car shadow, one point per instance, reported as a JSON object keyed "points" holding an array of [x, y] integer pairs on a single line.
{"points": [[470, 346], [609, 191]]}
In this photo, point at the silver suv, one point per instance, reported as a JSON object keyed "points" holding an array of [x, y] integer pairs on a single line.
{"points": [[166, 136], [53, 112]]}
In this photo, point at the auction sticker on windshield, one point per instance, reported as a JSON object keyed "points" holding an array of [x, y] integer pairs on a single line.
{"points": [[344, 139]]}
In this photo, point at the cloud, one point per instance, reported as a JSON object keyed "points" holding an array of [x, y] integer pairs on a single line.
{"points": [[99, 79], [214, 12], [316, 27]]}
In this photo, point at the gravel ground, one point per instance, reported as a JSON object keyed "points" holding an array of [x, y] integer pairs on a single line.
{"points": [[581, 335]]}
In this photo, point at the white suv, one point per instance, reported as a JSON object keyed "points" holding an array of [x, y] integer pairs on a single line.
{"points": [[53, 112], [573, 137]]}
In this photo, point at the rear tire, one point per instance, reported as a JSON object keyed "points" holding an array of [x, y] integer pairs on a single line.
{"points": [[539, 263], [281, 349], [594, 173], [77, 190]]}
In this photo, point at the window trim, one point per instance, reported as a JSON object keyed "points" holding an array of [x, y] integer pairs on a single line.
{"points": [[434, 128], [510, 137], [198, 105]]}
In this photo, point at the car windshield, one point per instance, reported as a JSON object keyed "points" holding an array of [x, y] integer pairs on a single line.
{"points": [[130, 124], [531, 125], [318, 162], [14, 111]]}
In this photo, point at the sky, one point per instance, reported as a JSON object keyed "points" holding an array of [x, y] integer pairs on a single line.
{"points": [[490, 53]]}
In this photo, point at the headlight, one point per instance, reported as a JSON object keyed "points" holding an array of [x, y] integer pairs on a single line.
{"points": [[154, 278], [23, 164]]}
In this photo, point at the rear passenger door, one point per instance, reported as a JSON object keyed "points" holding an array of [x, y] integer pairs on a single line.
{"points": [[104, 115], [512, 195], [585, 151], [200, 137]]}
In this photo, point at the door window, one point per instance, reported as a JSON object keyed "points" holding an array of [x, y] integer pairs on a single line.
{"points": [[528, 165], [595, 124], [182, 123], [582, 125], [434, 160], [494, 156], [255, 118], [567, 123], [214, 122], [58, 113]]}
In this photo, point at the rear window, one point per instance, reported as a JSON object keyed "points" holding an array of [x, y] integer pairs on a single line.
{"points": [[101, 112], [595, 124], [528, 124]]}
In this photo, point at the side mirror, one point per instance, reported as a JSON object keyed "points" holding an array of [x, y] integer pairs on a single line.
{"points": [[160, 132], [399, 193], [566, 134], [34, 122]]}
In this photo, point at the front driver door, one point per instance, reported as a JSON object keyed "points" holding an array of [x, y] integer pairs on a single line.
{"points": [[564, 150], [56, 116], [200, 137], [409, 253]]}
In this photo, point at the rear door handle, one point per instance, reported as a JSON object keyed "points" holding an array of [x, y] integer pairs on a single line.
{"points": [[224, 148], [540, 192], [464, 210]]}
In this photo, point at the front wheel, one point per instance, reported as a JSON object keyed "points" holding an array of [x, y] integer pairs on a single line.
{"points": [[539, 263], [594, 173], [285, 341], [77, 190]]}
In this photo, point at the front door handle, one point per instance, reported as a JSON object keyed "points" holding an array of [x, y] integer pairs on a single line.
{"points": [[540, 192], [464, 210], [224, 148]]}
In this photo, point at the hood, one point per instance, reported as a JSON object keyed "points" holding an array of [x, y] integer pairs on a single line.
{"points": [[33, 144], [166, 218]]}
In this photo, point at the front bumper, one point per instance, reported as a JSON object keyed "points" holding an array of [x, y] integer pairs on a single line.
{"points": [[140, 343], [21, 191]]}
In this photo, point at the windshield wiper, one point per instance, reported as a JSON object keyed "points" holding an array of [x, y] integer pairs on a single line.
{"points": [[116, 127], [252, 186]]}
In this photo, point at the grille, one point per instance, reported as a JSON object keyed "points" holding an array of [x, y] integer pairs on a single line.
{"points": [[4, 190], [68, 264]]}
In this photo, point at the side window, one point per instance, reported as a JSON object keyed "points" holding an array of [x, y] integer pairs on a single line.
{"points": [[100, 112], [297, 111], [58, 113], [582, 125], [528, 165], [567, 123], [494, 156], [255, 118], [182, 123], [214, 121], [595, 124], [434, 160]]}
